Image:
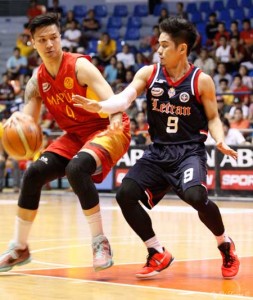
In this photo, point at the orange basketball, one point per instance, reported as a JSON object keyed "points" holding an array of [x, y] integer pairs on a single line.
{"points": [[22, 139]]}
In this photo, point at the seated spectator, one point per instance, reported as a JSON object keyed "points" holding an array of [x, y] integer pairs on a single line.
{"points": [[233, 136], [106, 48], [143, 126], [91, 26], [237, 54], [238, 104], [246, 79], [24, 44], [222, 32], [140, 61], [211, 29], [234, 30], [72, 36], [35, 9], [225, 92], [110, 71], [126, 56], [56, 8], [132, 111], [239, 122], [221, 72], [121, 73], [96, 62], [7, 96], [136, 139], [222, 53], [66, 23], [17, 65], [238, 87], [180, 10], [148, 43], [246, 35], [205, 63], [164, 14], [223, 109]]}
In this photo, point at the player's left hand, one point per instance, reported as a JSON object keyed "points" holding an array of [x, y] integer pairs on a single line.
{"points": [[225, 149]]}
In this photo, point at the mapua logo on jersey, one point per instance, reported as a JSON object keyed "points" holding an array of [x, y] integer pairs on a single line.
{"points": [[46, 86], [156, 92], [184, 97], [68, 83], [171, 92]]}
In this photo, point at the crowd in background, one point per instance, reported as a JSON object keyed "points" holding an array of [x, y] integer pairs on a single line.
{"points": [[226, 54]]}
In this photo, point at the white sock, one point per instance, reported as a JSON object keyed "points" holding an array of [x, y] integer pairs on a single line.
{"points": [[222, 239], [21, 232], [95, 222], [154, 243]]}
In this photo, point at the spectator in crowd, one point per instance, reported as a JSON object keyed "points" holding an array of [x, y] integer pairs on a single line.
{"points": [[220, 33], [238, 53], [251, 112], [224, 89], [246, 79], [121, 73], [222, 53], [106, 48], [180, 10], [136, 139], [164, 14], [152, 4], [24, 44], [242, 90], [140, 61], [238, 104], [129, 76], [240, 122], [7, 95], [223, 109], [233, 136], [222, 73], [35, 9], [96, 62], [110, 71], [91, 25], [17, 65], [72, 36], [66, 23], [246, 34], [211, 29], [205, 62], [143, 126], [234, 30], [56, 8], [126, 56]]}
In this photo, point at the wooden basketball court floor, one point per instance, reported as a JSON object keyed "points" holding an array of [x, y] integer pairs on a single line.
{"points": [[62, 259]]}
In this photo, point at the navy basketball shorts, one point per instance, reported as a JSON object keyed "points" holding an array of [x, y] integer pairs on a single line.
{"points": [[169, 167]]}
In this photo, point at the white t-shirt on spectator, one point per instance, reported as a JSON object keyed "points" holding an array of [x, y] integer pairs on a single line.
{"points": [[233, 137]]}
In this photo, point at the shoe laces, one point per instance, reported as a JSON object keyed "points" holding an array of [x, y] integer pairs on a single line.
{"points": [[150, 258], [228, 259], [100, 249]]}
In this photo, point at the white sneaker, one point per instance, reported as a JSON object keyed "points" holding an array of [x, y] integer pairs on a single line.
{"points": [[102, 254]]}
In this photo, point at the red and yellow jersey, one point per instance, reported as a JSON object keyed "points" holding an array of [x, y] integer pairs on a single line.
{"points": [[57, 96]]}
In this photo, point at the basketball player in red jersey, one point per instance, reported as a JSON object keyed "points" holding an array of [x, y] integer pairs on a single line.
{"points": [[181, 108], [85, 153]]}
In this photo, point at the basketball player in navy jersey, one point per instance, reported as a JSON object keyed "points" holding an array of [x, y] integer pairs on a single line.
{"points": [[181, 110]]}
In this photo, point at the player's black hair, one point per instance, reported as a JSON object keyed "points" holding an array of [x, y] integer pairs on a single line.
{"points": [[42, 21], [180, 31]]}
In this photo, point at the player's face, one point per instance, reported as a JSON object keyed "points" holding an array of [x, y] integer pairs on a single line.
{"points": [[47, 41], [168, 52]]}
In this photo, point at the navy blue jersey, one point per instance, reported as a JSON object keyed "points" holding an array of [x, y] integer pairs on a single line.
{"points": [[175, 112]]}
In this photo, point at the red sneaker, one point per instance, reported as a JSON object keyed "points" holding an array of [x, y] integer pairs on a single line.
{"points": [[156, 262], [231, 263], [14, 257]]}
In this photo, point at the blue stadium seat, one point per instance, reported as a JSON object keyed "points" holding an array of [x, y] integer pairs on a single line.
{"points": [[238, 14], [140, 10], [191, 7], [195, 17], [134, 22], [224, 15], [218, 5], [100, 10], [120, 10], [159, 7], [205, 7], [92, 46], [232, 4], [246, 3], [201, 27], [250, 13], [114, 22], [79, 11], [113, 33], [132, 34]]}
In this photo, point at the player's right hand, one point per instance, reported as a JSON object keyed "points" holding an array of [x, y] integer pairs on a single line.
{"points": [[90, 105], [16, 117]]}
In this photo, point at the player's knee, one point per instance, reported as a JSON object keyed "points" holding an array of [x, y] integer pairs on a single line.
{"points": [[196, 196], [33, 176], [129, 193], [79, 166]]}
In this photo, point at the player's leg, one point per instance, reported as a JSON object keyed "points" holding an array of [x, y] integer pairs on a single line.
{"points": [[195, 194], [48, 167], [90, 165], [144, 182]]}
